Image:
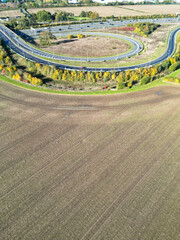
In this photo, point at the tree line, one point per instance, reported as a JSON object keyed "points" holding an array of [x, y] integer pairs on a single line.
{"points": [[125, 79], [38, 19]]}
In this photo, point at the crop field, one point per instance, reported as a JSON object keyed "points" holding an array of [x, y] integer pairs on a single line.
{"points": [[89, 167], [104, 11], [10, 13], [137, 10], [155, 9]]}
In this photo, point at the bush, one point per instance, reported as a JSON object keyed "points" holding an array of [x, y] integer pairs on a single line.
{"points": [[70, 36], [168, 79], [174, 67], [172, 79], [165, 64], [145, 80], [130, 83], [80, 36], [177, 80], [159, 68], [120, 85]]}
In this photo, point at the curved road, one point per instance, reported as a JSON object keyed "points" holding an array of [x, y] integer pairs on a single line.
{"points": [[9, 37], [137, 47]]}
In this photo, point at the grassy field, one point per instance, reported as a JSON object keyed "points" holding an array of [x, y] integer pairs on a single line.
{"points": [[175, 74], [97, 167], [90, 46]]}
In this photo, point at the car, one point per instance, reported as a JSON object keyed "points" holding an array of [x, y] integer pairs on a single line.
{"points": [[81, 68]]}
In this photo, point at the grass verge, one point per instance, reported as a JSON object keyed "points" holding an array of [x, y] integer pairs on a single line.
{"points": [[174, 74]]}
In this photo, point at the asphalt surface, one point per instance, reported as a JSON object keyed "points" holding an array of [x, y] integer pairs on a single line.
{"points": [[10, 38], [61, 30], [137, 47]]}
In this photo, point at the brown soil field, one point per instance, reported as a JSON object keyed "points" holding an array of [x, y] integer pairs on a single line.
{"points": [[10, 13], [90, 46], [7, 5], [89, 167], [104, 11], [155, 9]]}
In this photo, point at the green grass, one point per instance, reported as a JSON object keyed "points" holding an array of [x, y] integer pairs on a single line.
{"points": [[174, 74], [155, 83]]}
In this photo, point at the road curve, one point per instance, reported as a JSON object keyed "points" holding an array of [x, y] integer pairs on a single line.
{"points": [[9, 37], [137, 47]]}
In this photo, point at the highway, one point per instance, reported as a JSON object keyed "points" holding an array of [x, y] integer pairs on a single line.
{"points": [[10, 39], [64, 29]]}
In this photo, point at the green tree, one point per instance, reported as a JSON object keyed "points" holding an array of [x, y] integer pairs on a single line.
{"points": [[45, 38], [43, 16]]}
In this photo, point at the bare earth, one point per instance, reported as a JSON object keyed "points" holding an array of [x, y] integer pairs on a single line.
{"points": [[104, 11], [89, 167], [10, 13], [89, 46], [118, 10]]}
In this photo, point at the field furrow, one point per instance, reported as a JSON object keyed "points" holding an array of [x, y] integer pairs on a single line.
{"points": [[108, 172]]}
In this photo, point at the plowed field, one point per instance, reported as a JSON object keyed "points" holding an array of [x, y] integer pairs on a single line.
{"points": [[137, 10], [89, 167], [104, 11]]}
